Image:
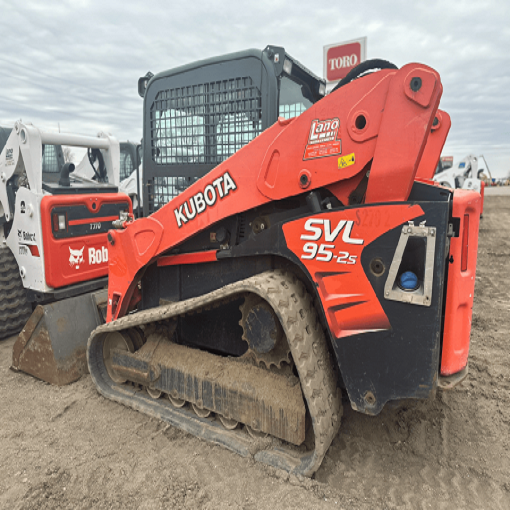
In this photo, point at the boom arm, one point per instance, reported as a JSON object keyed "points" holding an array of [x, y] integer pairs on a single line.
{"points": [[432, 153], [380, 123]]}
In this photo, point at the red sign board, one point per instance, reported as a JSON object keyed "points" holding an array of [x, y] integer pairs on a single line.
{"points": [[447, 162], [339, 59]]}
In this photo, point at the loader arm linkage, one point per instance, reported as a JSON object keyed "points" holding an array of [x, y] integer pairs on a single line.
{"points": [[383, 119]]}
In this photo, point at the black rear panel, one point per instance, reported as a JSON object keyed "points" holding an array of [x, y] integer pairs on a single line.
{"points": [[402, 362], [81, 222]]}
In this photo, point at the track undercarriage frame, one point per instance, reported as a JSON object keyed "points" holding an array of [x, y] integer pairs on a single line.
{"points": [[244, 399]]}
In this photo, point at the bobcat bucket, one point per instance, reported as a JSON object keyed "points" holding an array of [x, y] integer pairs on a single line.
{"points": [[52, 345]]}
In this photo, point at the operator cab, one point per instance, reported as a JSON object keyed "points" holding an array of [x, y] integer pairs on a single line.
{"points": [[58, 177], [198, 115]]}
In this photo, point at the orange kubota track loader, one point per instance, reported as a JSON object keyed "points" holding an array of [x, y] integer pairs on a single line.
{"points": [[310, 260]]}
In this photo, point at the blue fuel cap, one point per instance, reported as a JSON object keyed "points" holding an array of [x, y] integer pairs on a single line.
{"points": [[408, 281]]}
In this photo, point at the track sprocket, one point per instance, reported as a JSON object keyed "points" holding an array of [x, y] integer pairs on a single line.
{"points": [[263, 333]]}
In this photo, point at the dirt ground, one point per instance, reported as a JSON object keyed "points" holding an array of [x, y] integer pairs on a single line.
{"points": [[69, 448]]}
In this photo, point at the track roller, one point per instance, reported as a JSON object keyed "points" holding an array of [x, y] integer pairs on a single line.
{"points": [[228, 423], [176, 402], [201, 412]]}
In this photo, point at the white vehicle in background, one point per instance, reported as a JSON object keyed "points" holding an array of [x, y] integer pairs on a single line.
{"points": [[54, 247], [466, 175], [91, 167]]}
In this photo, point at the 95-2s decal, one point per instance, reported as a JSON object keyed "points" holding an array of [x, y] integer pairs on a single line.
{"points": [[318, 229], [329, 245]]}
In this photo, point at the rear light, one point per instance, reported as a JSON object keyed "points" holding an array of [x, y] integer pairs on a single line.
{"points": [[465, 244], [59, 222], [115, 303], [287, 66]]}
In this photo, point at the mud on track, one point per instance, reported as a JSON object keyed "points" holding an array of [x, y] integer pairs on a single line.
{"points": [[69, 448]]}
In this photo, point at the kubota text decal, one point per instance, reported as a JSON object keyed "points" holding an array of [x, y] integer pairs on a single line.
{"points": [[198, 203], [323, 139]]}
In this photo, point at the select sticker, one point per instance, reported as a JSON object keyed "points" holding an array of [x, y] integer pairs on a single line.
{"points": [[346, 161]]}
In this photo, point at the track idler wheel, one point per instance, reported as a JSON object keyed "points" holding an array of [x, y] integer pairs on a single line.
{"points": [[136, 337], [116, 340]]}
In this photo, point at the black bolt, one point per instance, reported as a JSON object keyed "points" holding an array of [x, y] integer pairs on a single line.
{"points": [[304, 179], [415, 84], [370, 398], [377, 266], [110, 239]]}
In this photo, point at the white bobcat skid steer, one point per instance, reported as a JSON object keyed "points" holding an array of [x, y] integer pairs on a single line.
{"points": [[53, 249]]}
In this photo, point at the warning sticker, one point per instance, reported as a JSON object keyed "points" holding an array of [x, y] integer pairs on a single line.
{"points": [[9, 157], [346, 161], [323, 139]]}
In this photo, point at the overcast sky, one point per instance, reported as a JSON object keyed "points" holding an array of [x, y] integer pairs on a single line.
{"points": [[77, 62]]}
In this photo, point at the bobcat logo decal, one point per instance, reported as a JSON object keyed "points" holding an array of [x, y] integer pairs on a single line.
{"points": [[76, 257]]}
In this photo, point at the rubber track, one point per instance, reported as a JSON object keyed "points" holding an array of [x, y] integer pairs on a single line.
{"points": [[15, 310], [294, 307]]}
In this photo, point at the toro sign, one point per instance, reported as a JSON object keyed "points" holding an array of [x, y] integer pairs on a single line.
{"points": [[340, 58]]}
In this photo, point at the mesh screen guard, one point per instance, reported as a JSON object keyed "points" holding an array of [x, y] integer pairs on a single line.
{"points": [[204, 123], [200, 124], [49, 160]]}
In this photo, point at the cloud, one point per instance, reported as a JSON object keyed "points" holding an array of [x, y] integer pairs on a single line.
{"points": [[77, 62]]}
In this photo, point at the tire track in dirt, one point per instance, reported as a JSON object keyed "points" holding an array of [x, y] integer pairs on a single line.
{"points": [[449, 452]]}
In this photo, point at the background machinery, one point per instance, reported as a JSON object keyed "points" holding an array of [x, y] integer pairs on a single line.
{"points": [[445, 162], [53, 229], [14, 311], [129, 179], [270, 275], [466, 175], [52, 155]]}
